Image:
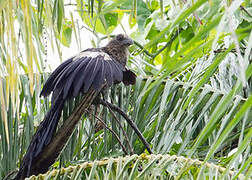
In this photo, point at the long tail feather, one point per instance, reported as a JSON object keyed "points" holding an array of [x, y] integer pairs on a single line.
{"points": [[41, 138]]}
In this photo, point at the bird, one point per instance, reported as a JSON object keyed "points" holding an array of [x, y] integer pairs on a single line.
{"points": [[92, 68]]}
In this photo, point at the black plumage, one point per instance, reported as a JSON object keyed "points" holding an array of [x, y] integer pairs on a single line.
{"points": [[91, 69]]}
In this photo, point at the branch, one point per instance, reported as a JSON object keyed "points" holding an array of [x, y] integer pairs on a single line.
{"points": [[245, 10], [160, 50], [111, 130], [168, 43], [51, 152], [131, 123], [223, 50], [71, 4], [124, 133], [90, 30], [195, 15], [143, 49]]}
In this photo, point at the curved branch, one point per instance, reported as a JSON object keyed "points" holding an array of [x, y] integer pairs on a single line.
{"points": [[124, 133], [131, 123], [246, 11], [160, 50], [143, 49], [111, 130]]}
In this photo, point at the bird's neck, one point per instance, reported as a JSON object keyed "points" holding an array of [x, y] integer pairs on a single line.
{"points": [[119, 54]]}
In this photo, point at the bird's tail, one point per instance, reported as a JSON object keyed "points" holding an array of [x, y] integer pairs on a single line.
{"points": [[41, 138]]}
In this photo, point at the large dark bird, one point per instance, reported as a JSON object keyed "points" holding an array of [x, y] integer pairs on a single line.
{"points": [[92, 68]]}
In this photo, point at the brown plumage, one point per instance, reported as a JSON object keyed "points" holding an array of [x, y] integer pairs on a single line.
{"points": [[118, 51], [90, 69]]}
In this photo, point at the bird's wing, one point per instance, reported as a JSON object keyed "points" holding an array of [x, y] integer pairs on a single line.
{"points": [[129, 78], [89, 69]]}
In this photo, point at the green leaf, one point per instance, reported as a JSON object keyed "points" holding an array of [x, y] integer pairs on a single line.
{"points": [[139, 9], [208, 73], [182, 16], [238, 116], [58, 13], [2, 4], [111, 19], [66, 34]]}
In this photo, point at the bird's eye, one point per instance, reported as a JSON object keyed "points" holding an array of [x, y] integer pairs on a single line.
{"points": [[120, 37]]}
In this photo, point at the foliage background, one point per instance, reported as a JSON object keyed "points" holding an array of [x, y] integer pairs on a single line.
{"points": [[192, 98]]}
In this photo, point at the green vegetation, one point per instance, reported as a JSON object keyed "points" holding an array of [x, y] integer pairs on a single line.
{"points": [[192, 100]]}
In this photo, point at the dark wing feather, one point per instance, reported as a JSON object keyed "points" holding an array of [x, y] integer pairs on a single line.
{"points": [[60, 75], [94, 75], [61, 80], [117, 74], [96, 66], [100, 77], [78, 75], [73, 76], [87, 74], [108, 73], [48, 86], [129, 77], [83, 75]]}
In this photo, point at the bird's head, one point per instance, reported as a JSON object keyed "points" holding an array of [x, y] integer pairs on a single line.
{"points": [[121, 40], [118, 48], [124, 40]]}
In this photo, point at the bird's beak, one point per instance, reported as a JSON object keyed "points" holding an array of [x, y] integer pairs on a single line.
{"points": [[128, 42]]}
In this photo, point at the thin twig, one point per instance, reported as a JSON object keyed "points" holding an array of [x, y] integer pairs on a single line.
{"points": [[160, 50], [168, 43], [195, 15], [10, 175], [131, 123], [71, 4], [124, 133], [223, 50], [92, 31], [245, 10], [143, 49], [111, 130]]}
